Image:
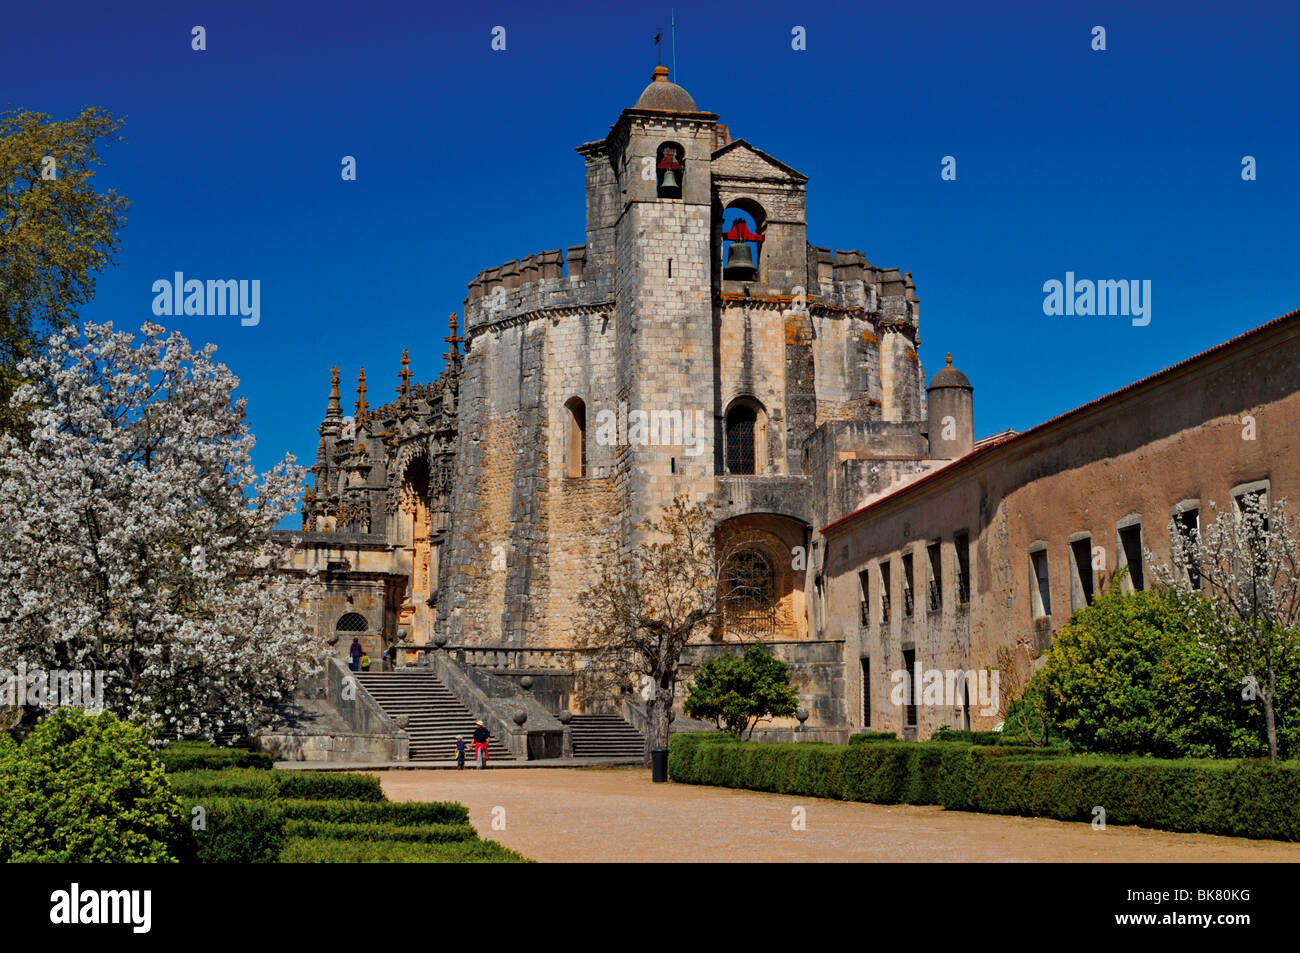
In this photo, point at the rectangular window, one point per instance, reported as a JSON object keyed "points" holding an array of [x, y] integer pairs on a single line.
{"points": [[1187, 525], [866, 693], [908, 582], [1130, 547], [935, 559], [1042, 589], [909, 696], [1081, 572], [1250, 508], [961, 542], [884, 592], [864, 596]]}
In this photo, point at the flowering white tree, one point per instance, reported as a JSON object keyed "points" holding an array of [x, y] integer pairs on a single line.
{"points": [[137, 535], [1238, 580]]}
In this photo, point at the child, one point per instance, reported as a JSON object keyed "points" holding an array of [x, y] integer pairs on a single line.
{"points": [[460, 752]]}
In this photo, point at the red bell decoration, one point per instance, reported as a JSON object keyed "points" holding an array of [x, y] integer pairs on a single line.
{"points": [[670, 186], [740, 257]]}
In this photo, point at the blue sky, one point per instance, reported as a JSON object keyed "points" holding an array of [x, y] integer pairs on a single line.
{"points": [[1117, 164]]}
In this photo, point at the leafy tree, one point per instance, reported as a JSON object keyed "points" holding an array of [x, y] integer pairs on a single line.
{"points": [[138, 536], [56, 232], [735, 693], [86, 789], [1238, 582], [1127, 675], [642, 610]]}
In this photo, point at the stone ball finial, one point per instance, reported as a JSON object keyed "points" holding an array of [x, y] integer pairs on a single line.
{"points": [[802, 715], [520, 718], [440, 639], [526, 682], [565, 717]]}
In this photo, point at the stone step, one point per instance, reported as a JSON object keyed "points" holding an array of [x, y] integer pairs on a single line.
{"points": [[435, 715], [605, 735]]}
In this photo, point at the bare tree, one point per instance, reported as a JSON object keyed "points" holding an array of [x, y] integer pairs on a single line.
{"points": [[644, 608], [1238, 580]]}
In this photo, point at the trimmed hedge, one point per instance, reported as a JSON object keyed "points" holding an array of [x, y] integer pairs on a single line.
{"points": [[300, 785], [424, 833], [1244, 799], [872, 737], [230, 783], [302, 851], [403, 813], [328, 786], [199, 755], [236, 830]]}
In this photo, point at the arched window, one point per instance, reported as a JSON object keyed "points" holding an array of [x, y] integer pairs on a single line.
{"points": [[742, 438], [575, 438], [670, 170], [352, 622]]}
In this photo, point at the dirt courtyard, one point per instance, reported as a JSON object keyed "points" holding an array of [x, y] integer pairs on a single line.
{"points": [[618, 814]]}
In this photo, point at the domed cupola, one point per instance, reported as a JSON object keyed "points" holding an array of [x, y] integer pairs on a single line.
{"points": [[661, 94]]}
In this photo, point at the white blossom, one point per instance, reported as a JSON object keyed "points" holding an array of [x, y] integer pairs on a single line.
{"points": [[137, 535]]}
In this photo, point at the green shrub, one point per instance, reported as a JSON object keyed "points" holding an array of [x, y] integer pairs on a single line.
{"points": [[85, 788], [328, 786], [425, 833], [1127, 676], [313, 851], [199, 755], [375, 812], [235, 830]]}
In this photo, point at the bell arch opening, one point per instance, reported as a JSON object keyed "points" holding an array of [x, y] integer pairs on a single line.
{"points": [[670, 170], [743, 225]]}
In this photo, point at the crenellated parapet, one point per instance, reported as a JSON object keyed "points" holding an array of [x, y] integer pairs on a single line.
{"points": [[533, 285]]}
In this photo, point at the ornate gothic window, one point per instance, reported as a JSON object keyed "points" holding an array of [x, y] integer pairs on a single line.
{"points": [[750, 591]]}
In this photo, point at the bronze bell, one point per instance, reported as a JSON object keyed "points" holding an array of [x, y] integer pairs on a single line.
{"points": [[670, 188], [740, 263]]}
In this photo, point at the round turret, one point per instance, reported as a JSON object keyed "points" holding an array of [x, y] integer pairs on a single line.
{"points": [[951, 407]]}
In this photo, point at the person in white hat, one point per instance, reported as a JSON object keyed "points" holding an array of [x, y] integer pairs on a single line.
{"points": [[481, 736]]}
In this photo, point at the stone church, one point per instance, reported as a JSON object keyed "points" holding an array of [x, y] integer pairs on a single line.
{"points": [[697, 343]]}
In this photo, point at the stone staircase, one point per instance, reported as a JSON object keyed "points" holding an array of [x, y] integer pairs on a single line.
{"points": [[435, 715], [605, 736]]}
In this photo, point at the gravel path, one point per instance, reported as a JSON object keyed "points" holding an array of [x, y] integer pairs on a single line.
{"points": [[618, 814]]}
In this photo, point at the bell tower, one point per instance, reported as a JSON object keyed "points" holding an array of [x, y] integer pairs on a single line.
{"points": [[660, 152]]}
